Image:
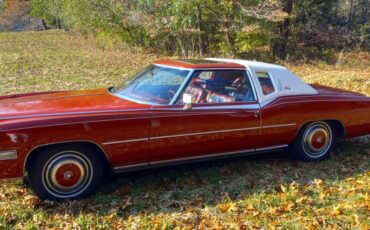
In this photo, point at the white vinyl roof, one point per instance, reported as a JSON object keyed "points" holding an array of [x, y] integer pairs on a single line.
{"points": [[284, 81]]}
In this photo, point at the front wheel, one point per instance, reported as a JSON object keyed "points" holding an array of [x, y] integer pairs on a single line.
{"points": [[61, 173], [314, 142]]}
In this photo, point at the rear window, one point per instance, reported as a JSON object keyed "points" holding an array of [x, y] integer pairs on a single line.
{"points": [[266, 83]]}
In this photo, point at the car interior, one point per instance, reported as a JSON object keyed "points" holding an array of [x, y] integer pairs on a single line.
{"points": [[220, 87], [265, 82]]}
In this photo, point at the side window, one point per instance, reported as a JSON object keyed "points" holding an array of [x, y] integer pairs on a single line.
{"points": [[220, 86], [265, 82]]}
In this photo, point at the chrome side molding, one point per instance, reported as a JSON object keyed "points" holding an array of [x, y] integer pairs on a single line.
{"points": [[204, 133], [154, 164], [8, 155], [197, 133], [125, 141], [278, 125]]}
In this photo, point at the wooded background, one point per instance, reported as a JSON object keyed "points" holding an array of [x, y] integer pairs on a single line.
{"points": [[104, 42], [262, 29]]}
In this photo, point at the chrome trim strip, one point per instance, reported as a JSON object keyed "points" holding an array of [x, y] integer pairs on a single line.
{"points": [[125, 141], [190, 134], [231, 106], [155, 163], [212, 107], [202, 156], [271, 148], [8, 155], [128, 167], [158, 115], [219, 154], [277, 126], [203, 133], [64, 142]]}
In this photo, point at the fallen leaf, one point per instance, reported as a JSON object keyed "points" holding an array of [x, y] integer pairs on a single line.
{"points": [[312, 227], [250, 207], [336, 211], [318, 182], [288, 207], [126, 203], [229, 207], [273, 211]]}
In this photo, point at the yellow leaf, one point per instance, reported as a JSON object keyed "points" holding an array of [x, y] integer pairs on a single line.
{"points": [[366, 197], [301, 200], [318, 182], [227, 207], [233, 208], [336, 210], [322, 196], [312, 227], [250, 207], [223, 207], [282, 187], [255, 213], [273, 224], [288, 207], [355, 218], [347, 206], [273, 211]]}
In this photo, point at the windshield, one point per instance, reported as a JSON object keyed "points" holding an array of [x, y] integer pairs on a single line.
{"points": [[155, 84]]}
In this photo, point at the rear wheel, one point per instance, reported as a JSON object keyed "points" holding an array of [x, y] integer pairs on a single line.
{"points": [[60, 173], [314, 141]]}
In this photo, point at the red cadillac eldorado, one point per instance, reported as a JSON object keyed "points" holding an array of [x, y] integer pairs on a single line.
{"points": [[174, 111]]}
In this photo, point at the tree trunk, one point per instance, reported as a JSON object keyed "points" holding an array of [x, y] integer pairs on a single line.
{"points": [[201, 42], [364, 12], [279, 48], [229, 44], [350, 14], [44, 25]]}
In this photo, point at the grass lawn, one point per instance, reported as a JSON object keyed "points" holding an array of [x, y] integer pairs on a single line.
{"points": [[270, 191]]}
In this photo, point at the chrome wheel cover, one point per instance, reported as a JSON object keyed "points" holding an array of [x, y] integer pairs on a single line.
{"points": [[67, 174], [317, 139]]}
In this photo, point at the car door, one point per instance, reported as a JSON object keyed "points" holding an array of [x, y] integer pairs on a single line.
{"points": [[223, 120]]}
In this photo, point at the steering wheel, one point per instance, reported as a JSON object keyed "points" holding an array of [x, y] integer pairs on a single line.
{"points": [[200, 82], [171, 94]]}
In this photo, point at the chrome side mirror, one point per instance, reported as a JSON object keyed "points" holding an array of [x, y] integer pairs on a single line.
{"points": [[188, 101]]}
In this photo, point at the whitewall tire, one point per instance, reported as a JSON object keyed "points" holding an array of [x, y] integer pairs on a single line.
{"points": [[314, 142], [65, 172]]}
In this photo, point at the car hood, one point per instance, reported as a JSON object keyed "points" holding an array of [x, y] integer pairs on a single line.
{"points": [[64, 103]]}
